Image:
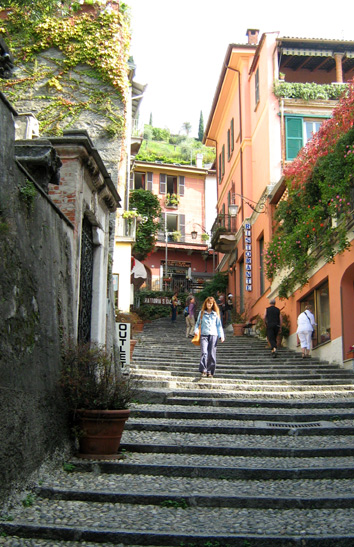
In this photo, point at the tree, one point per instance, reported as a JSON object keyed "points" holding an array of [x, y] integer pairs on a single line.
{"points": [[148, 208], [187, 128], [150, 120], [201, 127]]}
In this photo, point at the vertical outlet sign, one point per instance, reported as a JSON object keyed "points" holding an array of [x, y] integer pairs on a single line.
{"points": [[123, 335], [248, 256]]}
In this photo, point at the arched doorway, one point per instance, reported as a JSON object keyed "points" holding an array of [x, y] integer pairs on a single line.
{"points": [[347, 297]]}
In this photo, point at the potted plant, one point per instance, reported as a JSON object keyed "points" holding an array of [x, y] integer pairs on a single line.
{"points": [[98, 397], [176, 235], [261, 328], [238, 321], [172, 200], [205, 237], [350, 352], [281, 76], [284, 329]]}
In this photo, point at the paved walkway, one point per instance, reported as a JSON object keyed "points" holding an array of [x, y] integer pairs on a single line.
{"points": [[261, 455]]}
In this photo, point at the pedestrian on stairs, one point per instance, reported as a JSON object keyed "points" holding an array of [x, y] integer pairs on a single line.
{"points": [[190, 319], [305, 329], [273, 320], [211, 329], [174, 303]]}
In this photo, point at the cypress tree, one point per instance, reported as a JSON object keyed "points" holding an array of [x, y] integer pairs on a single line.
{"points": [[201, 127]]}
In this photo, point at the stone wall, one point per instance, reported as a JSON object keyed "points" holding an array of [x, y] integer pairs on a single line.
{"points": [[36, 290]]}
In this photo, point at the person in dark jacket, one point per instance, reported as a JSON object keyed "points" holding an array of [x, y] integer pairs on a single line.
{"points": [[273, 320]]}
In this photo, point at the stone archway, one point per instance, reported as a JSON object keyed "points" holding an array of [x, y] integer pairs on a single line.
{"points": [[347, 298]]}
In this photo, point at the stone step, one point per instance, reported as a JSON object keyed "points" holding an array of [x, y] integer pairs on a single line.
{"points": [[177, 413], [153, 380], [198, 398], [239, 498], [100, 522], [337, 377]]}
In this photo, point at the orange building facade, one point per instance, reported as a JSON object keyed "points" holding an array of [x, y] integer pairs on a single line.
{"points": [[258, 126], [181, 259]]}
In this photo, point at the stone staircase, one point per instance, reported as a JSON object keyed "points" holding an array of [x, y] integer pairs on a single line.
{"points": [[260, 455]]}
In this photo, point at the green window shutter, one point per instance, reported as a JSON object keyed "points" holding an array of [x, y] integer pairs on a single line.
{"points": [[293, 137]]}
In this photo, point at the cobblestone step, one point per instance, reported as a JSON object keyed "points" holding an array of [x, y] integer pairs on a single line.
{"points": [[233, 461]]}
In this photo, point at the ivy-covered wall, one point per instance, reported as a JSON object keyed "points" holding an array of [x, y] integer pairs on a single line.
{"points": [[36, 293], [71, 70]]}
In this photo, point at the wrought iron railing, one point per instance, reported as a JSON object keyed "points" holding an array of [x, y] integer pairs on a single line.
{"points": [[223, 224]]}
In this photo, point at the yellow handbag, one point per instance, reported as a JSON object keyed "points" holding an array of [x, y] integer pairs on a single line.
{"points": [[196, 338]]}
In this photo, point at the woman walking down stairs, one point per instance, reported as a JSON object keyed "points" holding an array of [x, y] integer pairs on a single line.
{"points": [[260, 455]]}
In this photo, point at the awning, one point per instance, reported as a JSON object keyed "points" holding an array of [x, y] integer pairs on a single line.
{"points": [[138, 273], [308, 52]]}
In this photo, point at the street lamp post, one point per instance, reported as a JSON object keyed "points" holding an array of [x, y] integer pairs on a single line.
{"points": [[166, 252]]}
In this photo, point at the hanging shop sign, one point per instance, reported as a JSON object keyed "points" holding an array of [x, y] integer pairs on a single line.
{"points": [[248, 256], [162, 301]]}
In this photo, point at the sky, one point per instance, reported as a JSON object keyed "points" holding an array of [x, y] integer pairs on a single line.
{"points": [[179, 47]]}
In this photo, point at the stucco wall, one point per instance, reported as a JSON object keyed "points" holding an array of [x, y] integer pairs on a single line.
{"points": [[36, 290]]}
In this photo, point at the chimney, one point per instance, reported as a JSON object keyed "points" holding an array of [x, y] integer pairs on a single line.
{"points": [[199, 161], [252, 34]]}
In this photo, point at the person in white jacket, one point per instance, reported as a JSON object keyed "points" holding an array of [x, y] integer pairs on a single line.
{"points": [[305, 327]]}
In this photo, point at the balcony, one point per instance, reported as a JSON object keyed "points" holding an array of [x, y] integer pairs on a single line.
{"points": [[223, 233], [126, 229]]}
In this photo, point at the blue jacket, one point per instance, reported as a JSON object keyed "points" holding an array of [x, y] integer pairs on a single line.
{"points": [[211, 325]]}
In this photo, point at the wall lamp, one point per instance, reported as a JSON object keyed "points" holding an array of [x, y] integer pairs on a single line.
{"points": [[194, 233], [258, 207]]}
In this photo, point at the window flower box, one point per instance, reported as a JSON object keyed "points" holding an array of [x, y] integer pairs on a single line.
{"points": [[172, 200]]}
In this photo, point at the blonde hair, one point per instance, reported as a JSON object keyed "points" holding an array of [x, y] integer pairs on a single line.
{"points": [[215, 307]]}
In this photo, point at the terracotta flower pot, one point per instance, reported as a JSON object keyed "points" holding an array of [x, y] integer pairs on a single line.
{"points": [[138, 327], [101, 432], [132, 346], [238, 329], [350, 355]]}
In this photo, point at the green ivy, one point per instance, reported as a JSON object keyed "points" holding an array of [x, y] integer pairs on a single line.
{"points": [[148, 208], [99, 41], [313, 221], [308, 91]]}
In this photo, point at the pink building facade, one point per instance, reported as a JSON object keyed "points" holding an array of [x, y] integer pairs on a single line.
{"points": [[181, 259]]}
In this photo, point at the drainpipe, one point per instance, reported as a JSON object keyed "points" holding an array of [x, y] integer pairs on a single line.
{"points": [[282, 133]]}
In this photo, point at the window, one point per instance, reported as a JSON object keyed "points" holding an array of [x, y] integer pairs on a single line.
{"points": [[256, 86], [221, 163], [319, 299], [232, 131], [173, 223], [140, 181], [230, 139], [299, 130], [171, 184]]}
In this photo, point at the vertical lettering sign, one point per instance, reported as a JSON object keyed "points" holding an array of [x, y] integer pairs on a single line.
{"points": [[248, 255], [123, 335]]}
